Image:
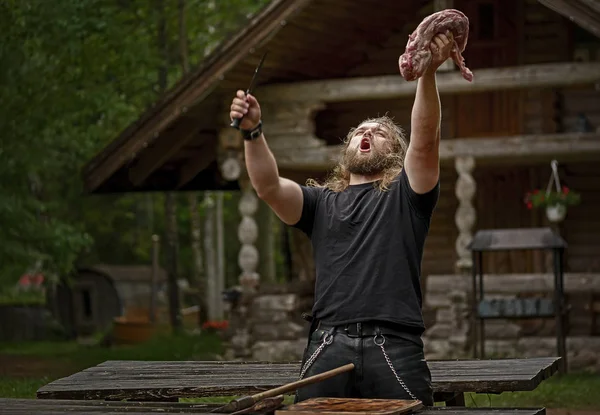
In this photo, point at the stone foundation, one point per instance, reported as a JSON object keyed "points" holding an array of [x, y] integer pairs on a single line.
{"points": [[270, 325], [448, 298], [583, 353]]}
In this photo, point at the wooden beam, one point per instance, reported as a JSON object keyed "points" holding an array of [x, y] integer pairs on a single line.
{"points": [[307, 158], [523, 147], [162, 149], [394, 86], [515, 149], [199, 162], [585, 13]]}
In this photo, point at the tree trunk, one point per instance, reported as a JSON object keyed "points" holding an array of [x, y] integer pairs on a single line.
{"points": [[198, 276], [198, 280], [183, 41], [220, 283], [171, 250], [209, 255]]}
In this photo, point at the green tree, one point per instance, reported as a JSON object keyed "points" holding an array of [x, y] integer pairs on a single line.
{"points": [[75, 73]]}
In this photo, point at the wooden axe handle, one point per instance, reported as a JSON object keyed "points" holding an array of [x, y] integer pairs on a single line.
{"points": [[247, 401], [303, 382]]}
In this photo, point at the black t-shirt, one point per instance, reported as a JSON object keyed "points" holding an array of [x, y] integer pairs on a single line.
{"points": [[368, 247]]}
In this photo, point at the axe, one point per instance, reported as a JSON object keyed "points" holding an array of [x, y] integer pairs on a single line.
{"points": [[240, 405]]}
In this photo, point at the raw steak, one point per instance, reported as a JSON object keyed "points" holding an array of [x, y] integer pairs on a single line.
{"points": [[417, 56]]}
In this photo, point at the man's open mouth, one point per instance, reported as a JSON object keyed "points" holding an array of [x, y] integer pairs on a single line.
{"points": [[365, 145]]}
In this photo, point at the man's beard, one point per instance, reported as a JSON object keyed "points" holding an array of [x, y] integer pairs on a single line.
{"points": [[375, 162]]}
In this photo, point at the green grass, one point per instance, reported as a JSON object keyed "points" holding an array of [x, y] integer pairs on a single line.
{"points": [[572, 391], [179, 347], [16, 387], [14, 296], [53, 360]]}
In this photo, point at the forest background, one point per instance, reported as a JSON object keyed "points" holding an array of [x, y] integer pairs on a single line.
{"points": [[74, 74]]}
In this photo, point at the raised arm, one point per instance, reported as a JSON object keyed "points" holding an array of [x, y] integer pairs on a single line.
{"points": [[283, 195], [422, 156]]}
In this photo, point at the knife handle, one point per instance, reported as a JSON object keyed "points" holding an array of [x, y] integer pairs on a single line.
{"points": [[236, 122]]}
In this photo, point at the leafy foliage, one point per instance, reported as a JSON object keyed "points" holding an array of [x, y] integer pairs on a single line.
{"points": [[539, 198], [75, 73]]}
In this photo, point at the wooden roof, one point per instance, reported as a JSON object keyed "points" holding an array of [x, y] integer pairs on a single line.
{"points": [[174, 145], [306, 40], [586, 13]]}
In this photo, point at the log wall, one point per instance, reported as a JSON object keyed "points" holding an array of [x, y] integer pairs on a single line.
{"points": [[549, 37], [581, 228], [544, 37]]}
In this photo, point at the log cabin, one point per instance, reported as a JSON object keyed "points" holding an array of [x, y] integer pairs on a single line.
{"points": [[332, 63]]}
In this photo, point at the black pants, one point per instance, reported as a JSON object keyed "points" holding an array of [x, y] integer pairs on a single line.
{"points": [[372, 376]]}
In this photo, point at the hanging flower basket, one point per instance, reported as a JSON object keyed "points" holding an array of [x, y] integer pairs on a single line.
{"points": [[556, 213], [555, 202], [539, 199]]}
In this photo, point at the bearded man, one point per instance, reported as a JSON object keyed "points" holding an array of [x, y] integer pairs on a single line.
{"points": [[368, 225]]}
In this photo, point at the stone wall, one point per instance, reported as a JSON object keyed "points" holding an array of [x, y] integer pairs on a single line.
{"points": [[268, 325], [448, 335]]}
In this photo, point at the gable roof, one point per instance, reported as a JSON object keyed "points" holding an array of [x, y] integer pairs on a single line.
{"points": [[173, 146], [585, 13], [190, 89]]}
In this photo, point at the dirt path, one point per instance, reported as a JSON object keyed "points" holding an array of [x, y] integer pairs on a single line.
{"points": [[570, 412]]}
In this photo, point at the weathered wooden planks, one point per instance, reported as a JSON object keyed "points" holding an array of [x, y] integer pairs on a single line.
{"points": [[116, 380], [351, 406], [56, 407]]}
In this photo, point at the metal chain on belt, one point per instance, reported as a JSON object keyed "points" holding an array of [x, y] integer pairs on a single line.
{"points": [[326, 342], [389, 362]]}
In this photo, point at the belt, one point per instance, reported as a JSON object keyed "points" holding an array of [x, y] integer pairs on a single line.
{"points": [[371, 328]]}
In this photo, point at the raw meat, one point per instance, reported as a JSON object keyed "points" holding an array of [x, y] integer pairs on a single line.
{"points": [[417, 56]]}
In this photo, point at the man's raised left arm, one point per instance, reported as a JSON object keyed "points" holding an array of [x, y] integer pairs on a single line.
{"points": [[422, 157]]}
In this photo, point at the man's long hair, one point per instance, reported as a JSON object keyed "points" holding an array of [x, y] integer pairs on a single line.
{"points": [[339, 178]]}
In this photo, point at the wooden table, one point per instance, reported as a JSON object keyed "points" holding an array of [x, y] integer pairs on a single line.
{"points": [[55, 407], [168, 381]]}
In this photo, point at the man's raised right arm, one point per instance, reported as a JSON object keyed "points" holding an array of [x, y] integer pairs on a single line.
{"points": [[284, 196]]}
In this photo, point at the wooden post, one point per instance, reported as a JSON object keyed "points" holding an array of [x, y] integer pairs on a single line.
{"points": [[247, 234], [466, 215], [465, 218]]}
